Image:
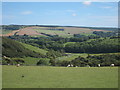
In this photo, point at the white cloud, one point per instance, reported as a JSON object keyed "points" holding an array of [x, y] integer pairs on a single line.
{"points": [[87, 2], [74, 14], [26, 12]]}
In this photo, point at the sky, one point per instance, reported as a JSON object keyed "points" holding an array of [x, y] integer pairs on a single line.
{"points": [[99, 14]]}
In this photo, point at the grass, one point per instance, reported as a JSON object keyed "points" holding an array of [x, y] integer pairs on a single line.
{"points": [[55, 32], [1, 77], [59, 77], [72, 56], [67, 58], [68, 32], [52, 32], [87, 34], [32, 61], [6, 31], [36, 49], [69, 43]]}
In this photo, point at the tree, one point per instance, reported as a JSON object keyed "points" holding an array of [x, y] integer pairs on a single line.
{"points": [[43, 62], [18, 60], [52, 62]]}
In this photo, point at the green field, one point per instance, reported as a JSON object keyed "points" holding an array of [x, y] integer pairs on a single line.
{"points": [[72, 56], [36, 49], [69, 43], [31, 60], [59, 77], [6, 31], [54, 32], [67, 58]]}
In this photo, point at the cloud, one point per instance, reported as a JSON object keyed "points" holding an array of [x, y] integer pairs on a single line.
{"points": [[74, 14], [26, 13], [87, 2]]}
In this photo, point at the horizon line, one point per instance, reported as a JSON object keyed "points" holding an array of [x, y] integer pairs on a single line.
{"points": [[66, 25]]}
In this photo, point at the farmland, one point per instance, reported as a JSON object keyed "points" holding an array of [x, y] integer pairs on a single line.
{"points": [[45, 52], [37, 31], [60, 45], [59, 77], [80, 50]]}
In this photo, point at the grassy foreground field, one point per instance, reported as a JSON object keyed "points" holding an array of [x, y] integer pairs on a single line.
{"points": [[59, 77]]}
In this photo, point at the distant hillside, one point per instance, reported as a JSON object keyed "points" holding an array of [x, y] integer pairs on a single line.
{"points": [[13, 48], [45, 30]]}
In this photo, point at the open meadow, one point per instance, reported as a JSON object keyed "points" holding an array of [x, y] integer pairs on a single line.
{"points": [[59, 77]]}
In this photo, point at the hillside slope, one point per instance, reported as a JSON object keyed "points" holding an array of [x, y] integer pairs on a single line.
{"points": [[61, 31], [13, 48], [36, 49]]}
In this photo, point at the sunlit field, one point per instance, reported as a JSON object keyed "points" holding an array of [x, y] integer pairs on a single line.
{"points": [[59, 77]]}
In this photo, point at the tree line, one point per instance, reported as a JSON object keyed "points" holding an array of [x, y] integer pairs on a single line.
{"points": [[89, 61], [83, 44]]}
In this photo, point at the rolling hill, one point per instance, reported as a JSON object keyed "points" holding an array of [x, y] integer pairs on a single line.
{"points": [[12, 48], [55, 30], [33, 48]]}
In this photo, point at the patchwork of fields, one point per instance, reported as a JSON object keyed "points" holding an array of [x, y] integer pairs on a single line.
{"points": [[47, 74], [59, 77], [67, 31]]}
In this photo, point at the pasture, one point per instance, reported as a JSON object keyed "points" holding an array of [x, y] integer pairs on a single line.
{"points": [[36, 49], [36, 31], [59, 77], [72, 56]]}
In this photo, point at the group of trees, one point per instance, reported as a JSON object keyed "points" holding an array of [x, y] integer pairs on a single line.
{"points": [[12, 61], [54, 28], [92, 61], [94, 46], [43, 62], [103, 60], [98, 42], [12, 27], [83, 44], [105, 34], [14, 49]]}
